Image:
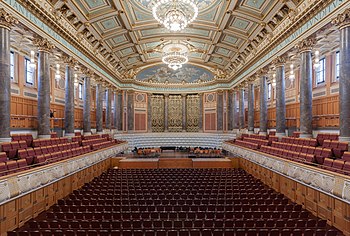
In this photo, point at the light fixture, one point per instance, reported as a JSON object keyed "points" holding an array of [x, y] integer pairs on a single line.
{"points": [[317, 59], [75, 80], [274, 80], [175, 55], [291, 73], [57, 74], [32, 59], [175, 15]]}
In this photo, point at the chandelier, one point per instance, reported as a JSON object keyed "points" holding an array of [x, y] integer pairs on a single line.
{"points": [[175, 55], [175, 15]]}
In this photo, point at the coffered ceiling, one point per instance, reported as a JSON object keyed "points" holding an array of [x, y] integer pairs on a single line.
{"points": [[223, 35]]}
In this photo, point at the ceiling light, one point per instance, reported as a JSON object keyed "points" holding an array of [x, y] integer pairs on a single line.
{"points": [[175, 55], [175, 15]]}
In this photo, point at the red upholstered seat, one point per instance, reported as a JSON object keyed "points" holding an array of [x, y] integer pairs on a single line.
{"points": [[328, 163], [3, 169], [3, 157], [11, 166]]}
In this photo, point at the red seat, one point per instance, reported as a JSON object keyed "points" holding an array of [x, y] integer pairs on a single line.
{"points": [[339, 151], [338, 165], [3, 157], [11, 166], [3, 169], [22, 164], [328, 163]]}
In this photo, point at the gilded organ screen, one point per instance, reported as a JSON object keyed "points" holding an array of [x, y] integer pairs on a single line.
{"points": [[157, 113], [192, 113], [175, 113]]}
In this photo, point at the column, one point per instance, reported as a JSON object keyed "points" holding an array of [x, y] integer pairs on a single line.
{"points": [[99, 108], [130, 111], [6, 22], [235, 121], [125, 111], [120, 111], [263, 103], [183, 112], [280, 97], [241, 108], [69, 97], [149, 112], [108, 108], [305, 47], [87, 102], [44, 48], [115, 109], [166, 100], [219, 110], [343, 23], [251, 107], [200, 119], [230, 111]]}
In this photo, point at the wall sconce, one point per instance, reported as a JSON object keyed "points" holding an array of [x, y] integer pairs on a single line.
{"points": [[75, 80], [274, 80], [57, 74], [317, 59], [32, 59], [291, 73]]}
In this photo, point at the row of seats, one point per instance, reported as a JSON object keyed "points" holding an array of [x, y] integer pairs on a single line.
{"points": [[60, 155], [324, 136], [28, 138], [11, 148], [133, 202], [300, 141], [182, 232], [257, 141], [49, 141], [12, 166], [338, 148]]}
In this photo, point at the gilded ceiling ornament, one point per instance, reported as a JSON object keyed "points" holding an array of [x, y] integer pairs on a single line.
{"points": [[306, 44], [6, 19], [220, 74], [279, 61], [262, 72], [43, 44], [130, 74], [292, 14], [342, 20], [70, 61], [87, 72]]}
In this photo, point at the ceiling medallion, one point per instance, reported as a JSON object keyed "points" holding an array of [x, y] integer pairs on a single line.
{"points": [[175, 55], [175, 15]]}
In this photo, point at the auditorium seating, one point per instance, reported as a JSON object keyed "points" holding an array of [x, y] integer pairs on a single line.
{"points": [[18, 156], [175, 202], [331, 155]]}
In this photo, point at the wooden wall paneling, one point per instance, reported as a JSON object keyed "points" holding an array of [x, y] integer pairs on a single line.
{"points": [[300, 194], [78, 118], [25, 210], [39, 201], [10, 217], [50, 198], [311, 200], [325, 204]]}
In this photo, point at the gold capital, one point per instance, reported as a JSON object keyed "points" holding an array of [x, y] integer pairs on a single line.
{"points": [[279, 61], [70, 61], [342, 20], [6, 19], [306, 44], [43, 44]]}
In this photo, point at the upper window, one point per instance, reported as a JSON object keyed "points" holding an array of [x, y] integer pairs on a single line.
{"points": [[12, 65], [80, 91], [269, 90], [29, 72], [321, 72], [337, 60]]}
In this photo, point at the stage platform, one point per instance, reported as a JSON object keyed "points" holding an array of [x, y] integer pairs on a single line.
{"points": [[155, 163]]}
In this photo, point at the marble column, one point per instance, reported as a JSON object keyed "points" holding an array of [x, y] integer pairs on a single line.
{"points": [[183, 112], [87, 103], [69, 97], [343, 23], [44, 48], [280, 97], [263, 104], [120, 111], [241, 108], [219, 111], [131, 111], [6, 22], [166, 100], [305, 47], [251, 108], [149, 112], [108, 108], [99, 108], [115, 109], [200, 118], [230, 111], [235, 121]]}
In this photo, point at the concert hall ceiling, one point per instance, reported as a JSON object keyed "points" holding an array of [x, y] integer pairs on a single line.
{"points": [[229, 38]]}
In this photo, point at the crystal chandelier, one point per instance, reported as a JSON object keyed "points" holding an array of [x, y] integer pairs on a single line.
{"points": [[175, 15], [175, 55]]}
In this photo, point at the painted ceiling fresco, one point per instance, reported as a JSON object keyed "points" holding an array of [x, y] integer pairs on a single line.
{"points": [[163, 74]]}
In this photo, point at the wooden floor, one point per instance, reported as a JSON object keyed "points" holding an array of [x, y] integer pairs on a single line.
{"points": [[171, 160]]}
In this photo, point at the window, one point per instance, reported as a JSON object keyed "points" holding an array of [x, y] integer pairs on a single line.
{"points": [[80, 91], [337, 60], [29, 72], [269, 90], [12, 65], [321, 72]]}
